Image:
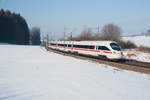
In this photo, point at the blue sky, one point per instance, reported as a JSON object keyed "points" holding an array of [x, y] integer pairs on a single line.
{"points": [[51, 15]]}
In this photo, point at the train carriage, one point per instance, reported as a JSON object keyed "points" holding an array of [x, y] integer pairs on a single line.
{"points": [[106, 49]]}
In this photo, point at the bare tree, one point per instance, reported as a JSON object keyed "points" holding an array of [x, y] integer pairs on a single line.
{"points": [[111, 32], [35, 36], [86, 34]]}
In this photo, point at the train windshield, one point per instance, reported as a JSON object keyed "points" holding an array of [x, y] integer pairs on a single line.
{"points": [[115, 46]]}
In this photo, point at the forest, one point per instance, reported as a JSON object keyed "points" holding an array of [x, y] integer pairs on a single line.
{"points": [[13, 28]]}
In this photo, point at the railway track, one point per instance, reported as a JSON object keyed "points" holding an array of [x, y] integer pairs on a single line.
{"points": [[126, 64], [137, 64]]}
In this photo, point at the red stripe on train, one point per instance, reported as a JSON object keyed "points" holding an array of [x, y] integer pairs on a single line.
{"points": [[107, 52], [86, 50]]}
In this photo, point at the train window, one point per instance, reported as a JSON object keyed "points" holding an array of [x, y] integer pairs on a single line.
{"points": [[84, 46], [52, 44], [69, 45], [89, 47], [80, 46], [60, 44], [65, 45], [115, 46], [103, 48], [76, 46]]}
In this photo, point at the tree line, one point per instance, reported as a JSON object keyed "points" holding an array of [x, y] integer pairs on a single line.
{"points": [[14, 29]]}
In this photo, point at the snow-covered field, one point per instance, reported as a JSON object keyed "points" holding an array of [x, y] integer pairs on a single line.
{"points": [[139, 40], [136, 55], [31, 73], [133, 53]]}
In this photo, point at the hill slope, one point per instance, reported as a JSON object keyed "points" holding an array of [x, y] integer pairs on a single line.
{"points": [[139, 40]]}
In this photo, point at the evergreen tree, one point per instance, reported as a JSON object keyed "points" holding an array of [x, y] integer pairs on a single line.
{"points": [[13, 28]]}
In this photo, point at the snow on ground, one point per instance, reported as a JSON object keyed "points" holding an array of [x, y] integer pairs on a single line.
{"points": [[133, 53], [31, 73], [136, 55], [139, 40]]}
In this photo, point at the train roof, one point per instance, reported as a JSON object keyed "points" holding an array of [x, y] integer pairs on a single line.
{"points": [[84, 42]]}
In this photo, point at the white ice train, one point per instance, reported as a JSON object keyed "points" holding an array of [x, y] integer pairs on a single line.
{"points": [[105, 49]]}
